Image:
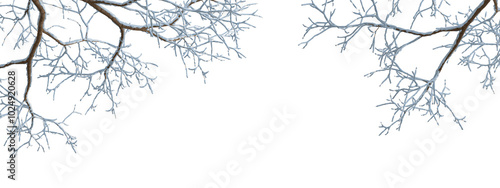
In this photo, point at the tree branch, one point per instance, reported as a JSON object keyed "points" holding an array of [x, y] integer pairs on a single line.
{"points": [[29, 60]]}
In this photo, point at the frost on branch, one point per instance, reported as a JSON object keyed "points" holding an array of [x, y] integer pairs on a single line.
{"points": [[394, 25], [84, 45]]}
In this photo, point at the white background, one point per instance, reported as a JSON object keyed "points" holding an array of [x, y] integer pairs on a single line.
{"points": [[187, 129]]}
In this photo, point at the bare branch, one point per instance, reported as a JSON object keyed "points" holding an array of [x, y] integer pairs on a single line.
{"points": [[67, 51], [413, 92]]}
